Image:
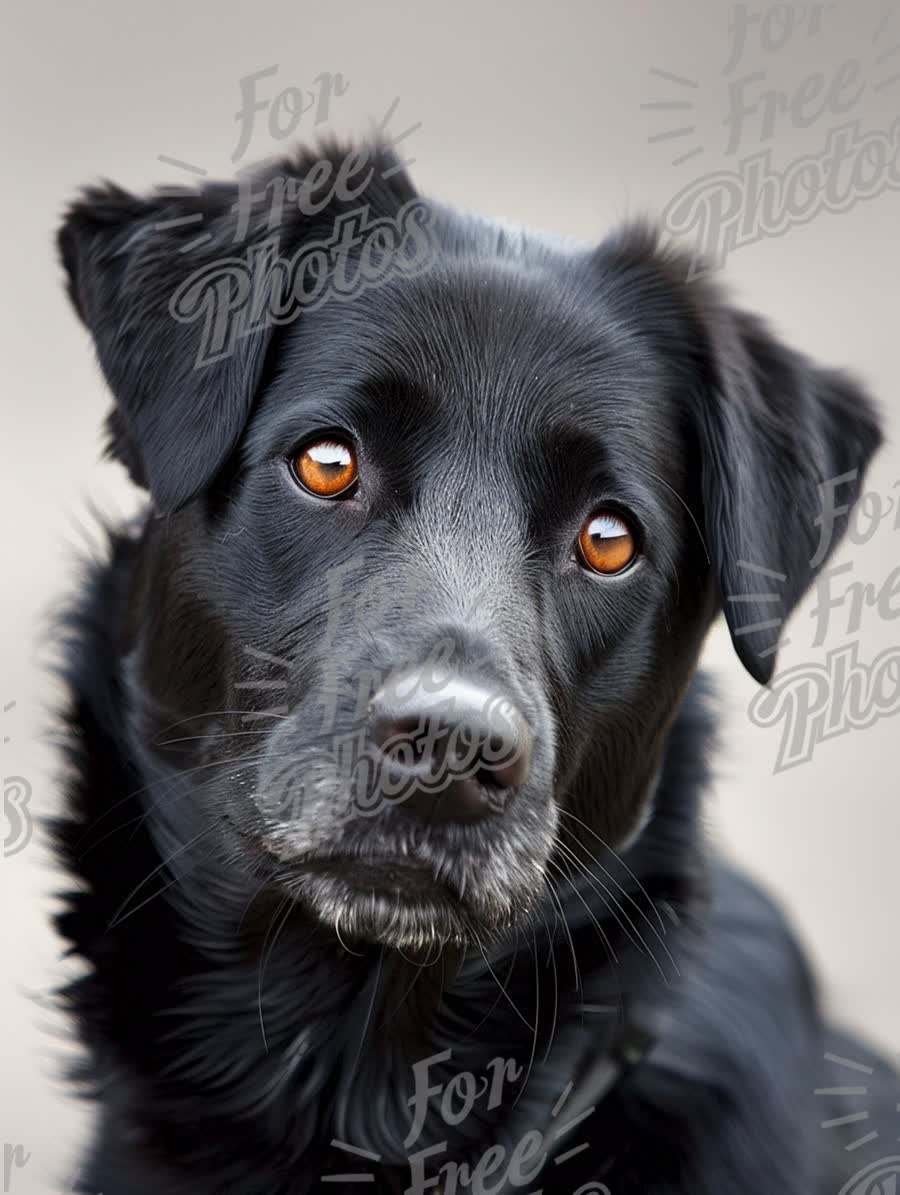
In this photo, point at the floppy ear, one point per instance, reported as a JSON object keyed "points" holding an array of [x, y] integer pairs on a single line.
{"points": [[177, 290], [179, 410], [784, 444]]}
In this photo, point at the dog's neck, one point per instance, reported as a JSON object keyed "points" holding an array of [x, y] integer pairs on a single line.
{"points": [[247, 1021]]}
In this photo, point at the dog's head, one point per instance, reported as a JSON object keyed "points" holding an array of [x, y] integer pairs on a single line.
{"points": [[441, 513]]}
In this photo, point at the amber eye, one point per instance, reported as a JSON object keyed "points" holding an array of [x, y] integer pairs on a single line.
{"points": [[606, 543], [326, 467]]}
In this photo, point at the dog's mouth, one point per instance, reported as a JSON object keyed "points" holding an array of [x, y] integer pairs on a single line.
{"points": [[399, 899], [394, 900], [396, 878], [388, 874]]}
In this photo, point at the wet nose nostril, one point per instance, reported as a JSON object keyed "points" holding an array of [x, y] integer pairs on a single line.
{"points": [[510, 763], [387, 727], [391, 735]]}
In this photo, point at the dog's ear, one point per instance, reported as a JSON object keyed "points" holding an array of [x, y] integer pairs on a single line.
{"points": [[784, 447], [783, 443], [179, 410], [175, 289]]}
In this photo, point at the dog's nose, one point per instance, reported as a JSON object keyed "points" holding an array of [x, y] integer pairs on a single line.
{"points": [[451, 749]]}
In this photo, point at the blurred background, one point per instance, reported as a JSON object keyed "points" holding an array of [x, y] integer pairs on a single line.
{"points": [[570, 117]]}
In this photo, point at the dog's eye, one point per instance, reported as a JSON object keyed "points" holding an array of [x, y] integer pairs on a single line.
{"points": [[326, 467], [606, 543]]}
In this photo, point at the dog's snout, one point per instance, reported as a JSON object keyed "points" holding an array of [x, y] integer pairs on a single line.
{"points": [[456, 748]]}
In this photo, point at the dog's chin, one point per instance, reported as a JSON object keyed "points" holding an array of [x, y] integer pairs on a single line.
{"points": [[417, 920], [401, 906]]}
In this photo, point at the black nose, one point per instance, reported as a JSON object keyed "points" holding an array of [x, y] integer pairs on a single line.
{"points": [[450, 749]]}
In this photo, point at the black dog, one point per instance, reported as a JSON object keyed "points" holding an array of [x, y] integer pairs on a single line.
{"points": [[386, 755]]}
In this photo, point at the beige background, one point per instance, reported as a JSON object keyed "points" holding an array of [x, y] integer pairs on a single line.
{"points": [[530, 112]]}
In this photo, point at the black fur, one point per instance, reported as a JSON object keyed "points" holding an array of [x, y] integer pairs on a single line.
{"points": [[248, 1001]]}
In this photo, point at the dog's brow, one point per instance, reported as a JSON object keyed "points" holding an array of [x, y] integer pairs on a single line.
{"points": [[358, 406]]}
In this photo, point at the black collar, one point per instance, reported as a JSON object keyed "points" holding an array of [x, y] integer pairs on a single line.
{"points": [[598, 1076]]}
